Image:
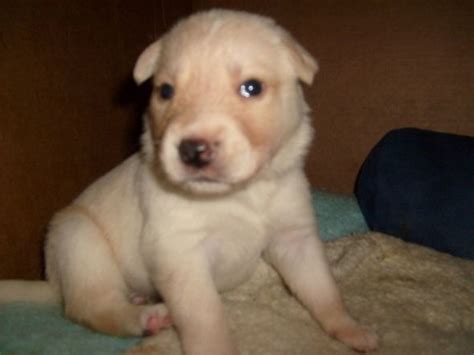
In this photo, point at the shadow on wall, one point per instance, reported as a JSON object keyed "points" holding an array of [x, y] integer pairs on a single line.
{"points": [[129, 94]]}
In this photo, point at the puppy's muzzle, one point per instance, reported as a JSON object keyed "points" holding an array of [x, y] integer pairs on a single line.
{"points": [[195, 153]]}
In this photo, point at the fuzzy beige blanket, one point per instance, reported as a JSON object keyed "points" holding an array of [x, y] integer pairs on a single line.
{"points": [[419, 301]]}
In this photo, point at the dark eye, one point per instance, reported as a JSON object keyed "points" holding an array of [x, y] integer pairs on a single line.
{"points": [[166, 91], [250, 88]]}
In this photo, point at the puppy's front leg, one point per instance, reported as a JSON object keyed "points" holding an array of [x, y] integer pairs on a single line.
{"points": [[299, 257], [195, 306]]}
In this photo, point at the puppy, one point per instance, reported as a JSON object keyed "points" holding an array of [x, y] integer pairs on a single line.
{"points": [[218, 184]]}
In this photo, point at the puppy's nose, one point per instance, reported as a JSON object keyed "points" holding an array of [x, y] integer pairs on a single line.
{"points": [[195, 152]]}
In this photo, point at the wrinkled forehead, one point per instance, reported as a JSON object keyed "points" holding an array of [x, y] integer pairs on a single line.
{"points": [[223, 44]]}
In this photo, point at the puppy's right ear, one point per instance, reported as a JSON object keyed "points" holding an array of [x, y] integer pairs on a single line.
{"points": [[146, 63], [304, 63]]}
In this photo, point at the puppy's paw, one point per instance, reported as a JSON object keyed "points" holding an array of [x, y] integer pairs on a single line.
{"points": [[355, 335], [154, 318]]}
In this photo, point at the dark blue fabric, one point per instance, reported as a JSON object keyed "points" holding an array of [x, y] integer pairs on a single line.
{"points": [[419, 185]]}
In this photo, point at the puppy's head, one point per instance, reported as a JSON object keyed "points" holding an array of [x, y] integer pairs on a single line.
{"points": [[226, 99]]}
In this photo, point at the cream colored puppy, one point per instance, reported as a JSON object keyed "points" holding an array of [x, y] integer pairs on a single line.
{"points": [[218, 184]]}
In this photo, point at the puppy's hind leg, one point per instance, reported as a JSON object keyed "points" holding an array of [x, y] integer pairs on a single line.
{"points": [[82, 263]]}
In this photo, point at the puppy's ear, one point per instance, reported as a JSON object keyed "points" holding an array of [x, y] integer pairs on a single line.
{"points": [[146, 63], [303, 62]]}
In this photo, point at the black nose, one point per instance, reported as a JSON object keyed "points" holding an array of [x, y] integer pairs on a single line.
{"points": [[195, 152]]}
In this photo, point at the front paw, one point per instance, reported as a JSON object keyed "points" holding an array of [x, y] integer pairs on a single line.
{"points": [[355, 335]]}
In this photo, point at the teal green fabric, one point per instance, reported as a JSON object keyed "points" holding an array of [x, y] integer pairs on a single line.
{"points": [[31, 329], [338, 215]]}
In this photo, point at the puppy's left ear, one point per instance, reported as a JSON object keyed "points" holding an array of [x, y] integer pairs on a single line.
{"points": [[146, 63], [303, 62]]}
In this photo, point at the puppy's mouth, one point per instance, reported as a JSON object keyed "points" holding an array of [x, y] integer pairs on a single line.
{"points": [[202, 177], [206, 185], [215, 158], [205, 179], [200, 166]]}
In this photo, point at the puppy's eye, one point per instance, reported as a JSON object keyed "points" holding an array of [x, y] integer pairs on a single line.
{"points": [[166, 91], [249, 88]]}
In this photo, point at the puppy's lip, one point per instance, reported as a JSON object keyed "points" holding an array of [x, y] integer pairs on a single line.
{"points": [[205, 179], [211, 174], [207, 186], [201, 177]]}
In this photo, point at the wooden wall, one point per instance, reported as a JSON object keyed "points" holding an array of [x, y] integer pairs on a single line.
{"points": [[384, 64], [68, 108]]}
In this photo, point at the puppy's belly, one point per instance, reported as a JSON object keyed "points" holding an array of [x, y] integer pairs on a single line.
{"points": [[138, 280]]}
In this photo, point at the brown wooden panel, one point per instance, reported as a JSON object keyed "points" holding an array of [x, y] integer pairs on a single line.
{"points": [[384, 64], [67, 111]]}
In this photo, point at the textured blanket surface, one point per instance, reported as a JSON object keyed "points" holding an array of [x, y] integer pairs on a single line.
{"points": [[42, 330], [418, 300]]}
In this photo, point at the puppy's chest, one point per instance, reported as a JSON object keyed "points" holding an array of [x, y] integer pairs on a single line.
{"points": [[233, 251], [231, 236], [231, 233]]}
